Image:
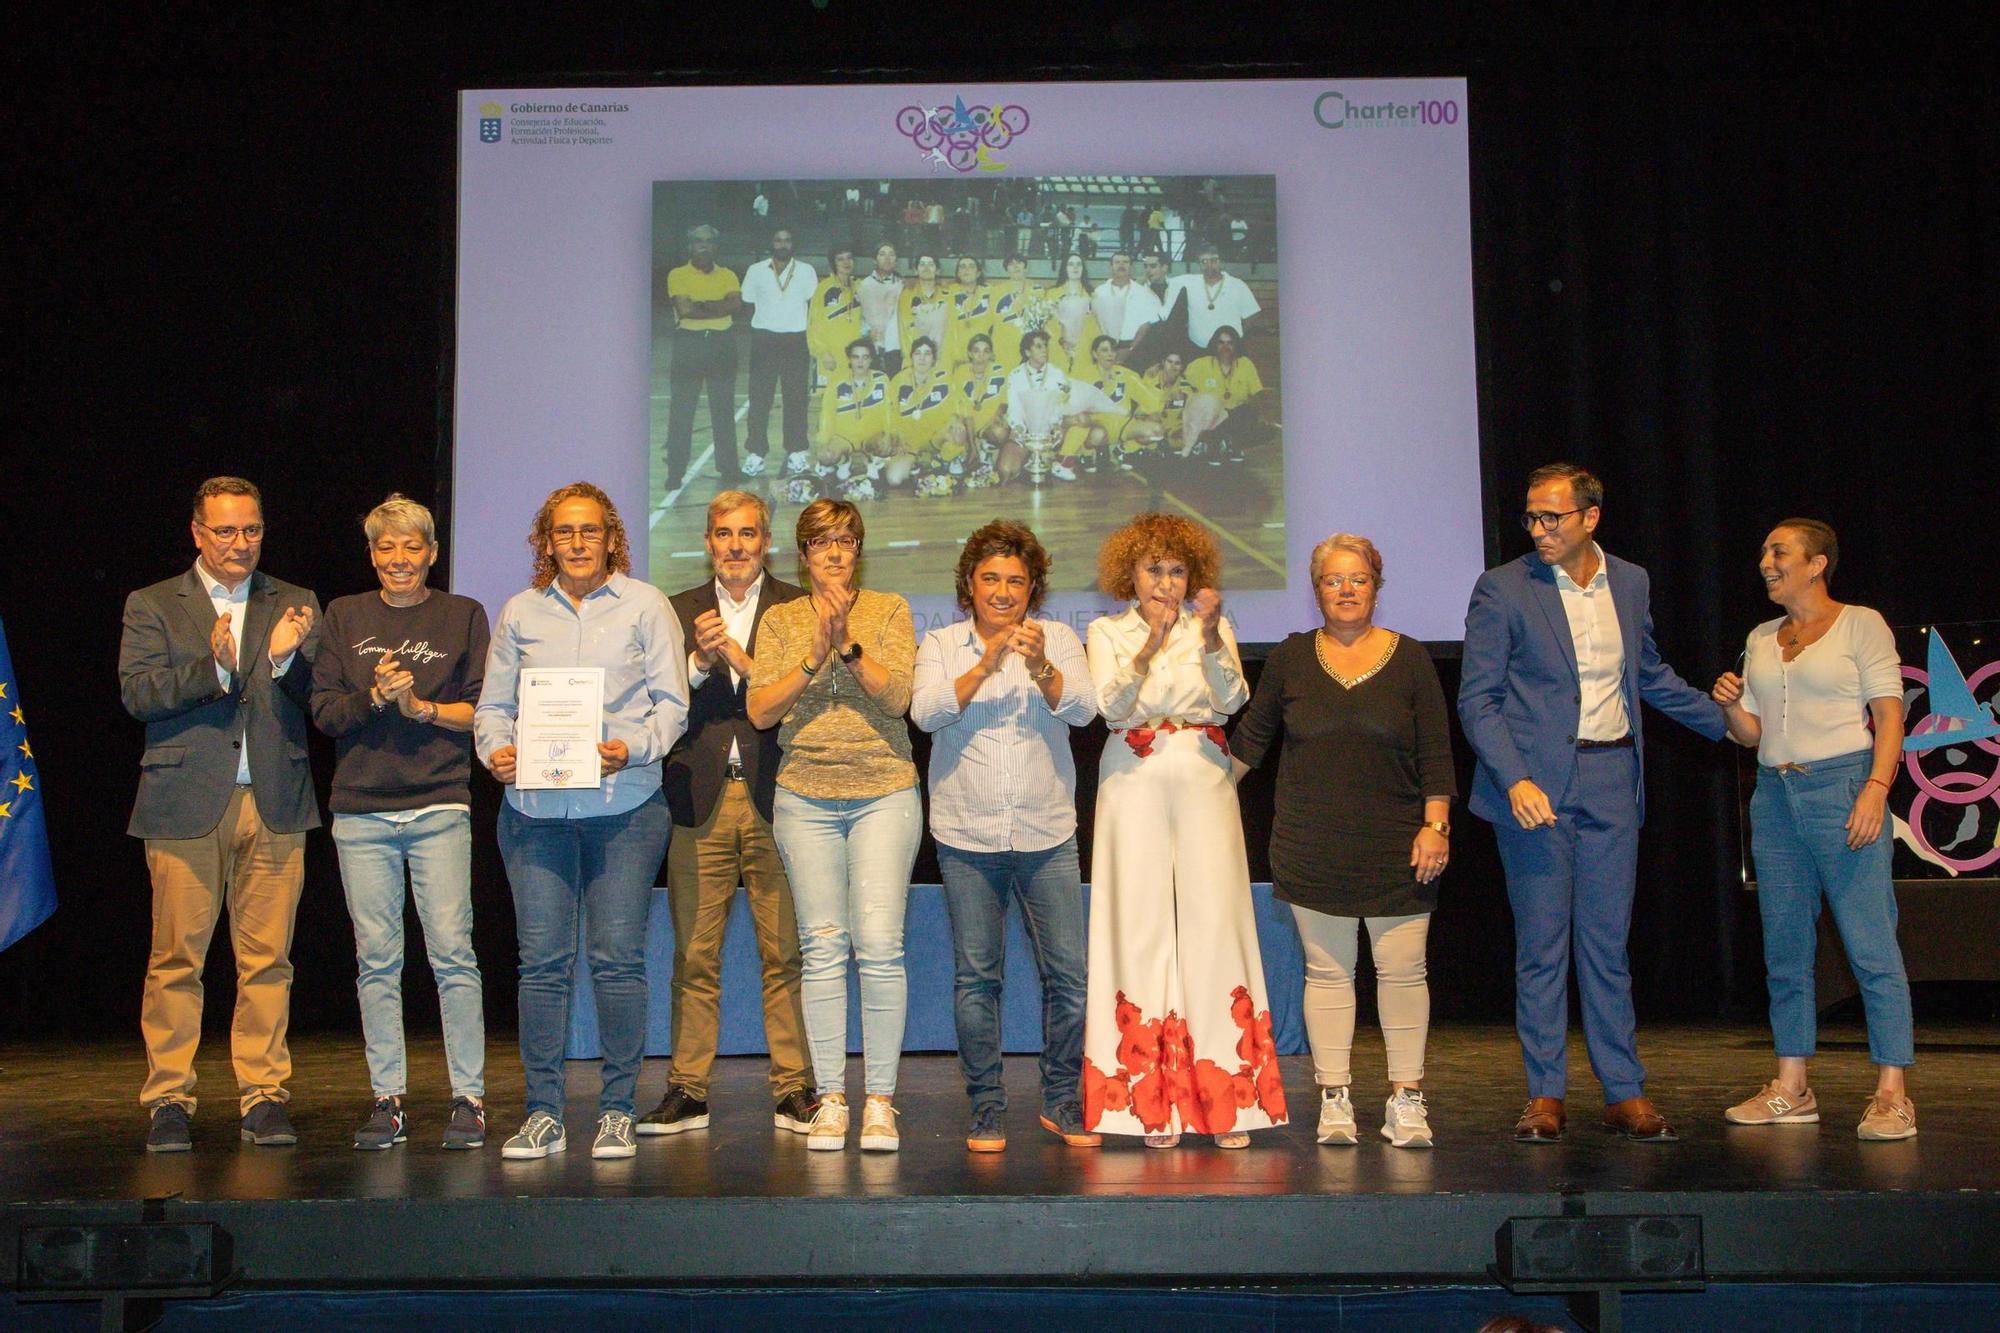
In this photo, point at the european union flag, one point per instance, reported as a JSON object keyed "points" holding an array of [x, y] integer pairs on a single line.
{"points": [[27, 880]]}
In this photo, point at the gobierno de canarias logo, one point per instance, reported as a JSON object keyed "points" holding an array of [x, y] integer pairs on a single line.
{"points": [[963, 138], [489, 122]]}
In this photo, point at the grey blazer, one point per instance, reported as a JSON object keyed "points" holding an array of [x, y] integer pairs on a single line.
{"points": [[166, 677]]}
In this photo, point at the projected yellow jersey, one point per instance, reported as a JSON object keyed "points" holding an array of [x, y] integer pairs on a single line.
{"points": [[1011, 306], [1171, 397], [1131, 396], [854, 411], [921, 314], [833, 320], [972, 313], [714, 285], [1234, 388], [920, 413], [980, 400]]}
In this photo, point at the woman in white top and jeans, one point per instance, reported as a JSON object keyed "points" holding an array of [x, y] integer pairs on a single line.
{"points": [[1812, 680]]}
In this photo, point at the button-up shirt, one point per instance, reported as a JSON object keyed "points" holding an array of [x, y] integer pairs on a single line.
{"points": [[740, 619], [627, 628], [1002, 775], [235, 603], [1600, 653], [1185, 683]]}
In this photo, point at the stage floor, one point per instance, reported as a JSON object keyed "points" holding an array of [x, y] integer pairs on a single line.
{"points": [[744, 1201]]}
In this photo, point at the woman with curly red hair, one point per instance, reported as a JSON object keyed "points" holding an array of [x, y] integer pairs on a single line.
{"points": [[1177, 1032]]}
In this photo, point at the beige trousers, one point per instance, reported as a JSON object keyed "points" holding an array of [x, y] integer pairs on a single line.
{"points": [[1402, 991], [704, 866], [257, 874]]}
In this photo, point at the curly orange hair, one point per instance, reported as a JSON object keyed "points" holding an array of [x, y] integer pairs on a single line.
{"points": [[1149, 535], [617, 551]]}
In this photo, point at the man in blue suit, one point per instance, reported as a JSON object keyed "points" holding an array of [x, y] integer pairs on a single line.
{"points": [[1558, 656]]}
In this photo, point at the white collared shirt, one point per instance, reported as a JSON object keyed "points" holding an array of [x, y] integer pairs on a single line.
{"points": [[1112, 304], [1228, 304], [1600, 653], [234, 603], [739, 618], [780, 305]]}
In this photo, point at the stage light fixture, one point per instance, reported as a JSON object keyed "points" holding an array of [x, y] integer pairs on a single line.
{"points": [[141, 1259], [1573, 1252]]}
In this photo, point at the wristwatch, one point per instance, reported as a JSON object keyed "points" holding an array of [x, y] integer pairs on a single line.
{"points": [[852, 654], [1438, 826], [1048, 669]]}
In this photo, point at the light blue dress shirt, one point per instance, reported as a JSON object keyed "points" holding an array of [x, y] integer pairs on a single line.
{"points": [[1002, 775], [627, 628]]}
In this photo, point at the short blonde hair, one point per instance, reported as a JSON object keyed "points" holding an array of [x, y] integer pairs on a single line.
{"points": [[1346, 541], [399, 513], [729, 500], [826, 515]]}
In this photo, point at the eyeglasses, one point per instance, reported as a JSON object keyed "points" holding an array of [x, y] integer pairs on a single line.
{"points": [[846, 541], [249, 532], [1546, 521], [589, 534], [1358, 582]]}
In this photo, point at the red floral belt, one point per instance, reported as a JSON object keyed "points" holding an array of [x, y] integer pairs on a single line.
{"points": [[1141, 738]]}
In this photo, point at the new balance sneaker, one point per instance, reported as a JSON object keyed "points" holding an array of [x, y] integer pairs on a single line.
{"points": [[614, 1136], [828, 1132], [467, 1127], [267, 1126], [1406, 1120], [1774, 1106], [677, 1113], [171, 1130], [753, 465], [1888, 1119], [878, 1126], [387, 1126], [986, 1134], [1066, 1123], [540, 1135], [795, 1111], [1336, 1117]]}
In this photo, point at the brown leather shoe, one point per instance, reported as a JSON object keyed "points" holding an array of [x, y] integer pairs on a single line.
{"points": [[1638, 1120], [1541, 1121]]}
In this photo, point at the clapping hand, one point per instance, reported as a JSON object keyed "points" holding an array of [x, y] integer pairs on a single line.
{"points": [[290, 632], [222, 643], [1207, 607], [1028, 640], [711, 640], [392, 682]]}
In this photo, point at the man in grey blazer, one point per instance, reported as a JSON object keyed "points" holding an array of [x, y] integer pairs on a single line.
{"points": [[217, 662], [720, 780]]}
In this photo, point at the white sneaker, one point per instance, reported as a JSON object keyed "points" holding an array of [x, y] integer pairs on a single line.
{"points": [[540, 1135], [1063, 472], [753, 466], [798, 464], [878, 1126], [957, 467], [828, 1132], [614, 1136], [1336, 1117], [1406, 1121]]}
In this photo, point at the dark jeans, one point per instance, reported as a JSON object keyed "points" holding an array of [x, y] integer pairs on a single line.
{"points": [[777, 359], [702, 360], [1049, 885], [604, 868]]}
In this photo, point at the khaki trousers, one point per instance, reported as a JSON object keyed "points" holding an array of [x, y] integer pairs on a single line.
{"points": [[704, 866], [258, 875]]}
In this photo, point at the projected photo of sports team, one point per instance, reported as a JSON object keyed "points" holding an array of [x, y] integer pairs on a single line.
{"points": [[1066, 350]]}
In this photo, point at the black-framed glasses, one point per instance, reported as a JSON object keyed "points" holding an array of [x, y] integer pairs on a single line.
{"points": [[249, 532], [1547, 521]]}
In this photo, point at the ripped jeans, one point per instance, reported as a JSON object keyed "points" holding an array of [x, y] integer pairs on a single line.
{"points": [[849, 864]]}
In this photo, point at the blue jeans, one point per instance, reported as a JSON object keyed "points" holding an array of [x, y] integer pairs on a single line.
{"points": [[1049, 884], [437, 849], [604, 868], [849, 864], [1798, 837]]}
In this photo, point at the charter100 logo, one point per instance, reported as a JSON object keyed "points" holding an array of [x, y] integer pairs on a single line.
{"points": [[1335, 110]]}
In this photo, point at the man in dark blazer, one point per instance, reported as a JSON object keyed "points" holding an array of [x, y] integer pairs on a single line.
{"points": [[1558, 657], [720, 780], [217, 662]]}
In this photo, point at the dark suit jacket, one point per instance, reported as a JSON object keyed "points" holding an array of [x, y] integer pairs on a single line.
{"points": [[166, 677], [1519, 691], [716, 716]]}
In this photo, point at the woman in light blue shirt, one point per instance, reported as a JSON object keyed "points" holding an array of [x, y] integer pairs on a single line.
{"points": [[595, 850], [999, 692]]}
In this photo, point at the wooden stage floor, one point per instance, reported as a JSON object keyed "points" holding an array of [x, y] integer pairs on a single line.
{"points": [[744, 1202]]}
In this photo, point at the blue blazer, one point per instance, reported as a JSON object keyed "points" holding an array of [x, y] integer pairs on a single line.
{"points": [[1519, 695]]}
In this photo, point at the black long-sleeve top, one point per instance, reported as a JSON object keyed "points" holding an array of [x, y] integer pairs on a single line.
{"points": [[1355, 766]]}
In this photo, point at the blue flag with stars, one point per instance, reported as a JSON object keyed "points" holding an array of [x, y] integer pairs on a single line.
{"points": [[27, 880]]}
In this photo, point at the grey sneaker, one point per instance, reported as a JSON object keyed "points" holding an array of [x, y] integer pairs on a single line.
{"points": [[1066, 1123], [1887, 1120], [267, 1126], [614, 1136], [1774, 1106], [1406, 1120], [170, 1130], [387, 1126], [1336, 1117], [540, 1135], [986, 1134], [467, 1128]]}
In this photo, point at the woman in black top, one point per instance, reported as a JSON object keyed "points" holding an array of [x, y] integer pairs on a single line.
{"points": [[1362, 831]]}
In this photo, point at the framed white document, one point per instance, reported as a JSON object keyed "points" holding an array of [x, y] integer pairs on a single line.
{"points": [[557, 730]]}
